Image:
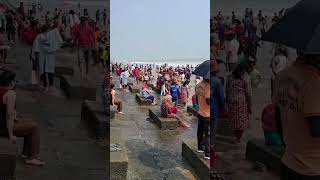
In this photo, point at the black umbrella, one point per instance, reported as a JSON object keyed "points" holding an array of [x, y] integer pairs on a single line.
{"points": [[299, 28], [203, 70]]}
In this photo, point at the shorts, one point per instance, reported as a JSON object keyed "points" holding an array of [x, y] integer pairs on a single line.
{"points": [[84, 55]]}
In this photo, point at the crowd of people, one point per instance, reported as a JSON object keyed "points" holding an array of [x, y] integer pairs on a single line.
{"points": [[287, 124], [44, 34]]}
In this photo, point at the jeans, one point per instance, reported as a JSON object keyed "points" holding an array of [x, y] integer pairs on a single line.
{"points": [[203, 134], [151, 98]]}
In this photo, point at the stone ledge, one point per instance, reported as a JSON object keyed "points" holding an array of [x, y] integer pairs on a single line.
{"points": [[8, 157], [113, 110], [64, 70], [195, 159], [258, 151], [134, 89], [97, 121], [118, 159], [143, 101], [192, 111], [76, 88], [163, 123]]}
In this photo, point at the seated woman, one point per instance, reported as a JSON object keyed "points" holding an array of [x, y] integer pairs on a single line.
{"points": [[11, 127], [169, 111], [145, 92], [269, 126], [114, 101]]}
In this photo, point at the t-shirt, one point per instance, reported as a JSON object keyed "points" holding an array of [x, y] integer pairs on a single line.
{"points": [[85, 34], [175, 90], [203, 92], [233, 47], [296, 92]]}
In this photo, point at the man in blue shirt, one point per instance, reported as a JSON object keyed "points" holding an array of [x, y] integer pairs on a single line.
{"points": [[217, 103]]}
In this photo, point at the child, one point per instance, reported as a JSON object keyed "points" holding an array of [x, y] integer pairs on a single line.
{"points": [[175, 91], [195, 102], [184, 93], [269, 126], [167, 111]]}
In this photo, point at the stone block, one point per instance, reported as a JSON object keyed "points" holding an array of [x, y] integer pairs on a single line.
{"points": [[8, 157], [196, 160], [155, 89], [113, 110], [76, 88], [163, 123], [118, 159], [134, 89], [143, 101], [192, 111], [64, 70], [96, 119], [258, 151]]}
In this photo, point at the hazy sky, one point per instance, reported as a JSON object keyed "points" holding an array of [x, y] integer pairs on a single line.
{"points": [[159, 29]]}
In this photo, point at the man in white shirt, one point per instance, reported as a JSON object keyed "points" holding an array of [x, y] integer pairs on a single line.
{"points": [[232, 52]]}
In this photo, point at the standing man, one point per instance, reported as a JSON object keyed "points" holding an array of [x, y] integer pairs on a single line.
{"points": [[203, 132], [296, 94], [232, 52], [217, 104], [84, 42]]}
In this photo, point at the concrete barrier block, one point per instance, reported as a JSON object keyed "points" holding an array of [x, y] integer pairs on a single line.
{"points": [[143, 101], [97, 121], [134, 89], [64, 70], [196, 160], [258, 151], [76, 88], [118, 159], [8, 157], [163, 123]]}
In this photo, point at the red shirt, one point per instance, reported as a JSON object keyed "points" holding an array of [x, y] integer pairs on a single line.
{"points": [[85, 36]]}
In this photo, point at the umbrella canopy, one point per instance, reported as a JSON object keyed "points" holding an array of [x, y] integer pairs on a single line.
{"points": [[299, 28], [203, 70]]}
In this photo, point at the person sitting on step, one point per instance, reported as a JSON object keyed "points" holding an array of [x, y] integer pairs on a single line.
{"points": [[114, 100], [169, 111], [145, 92], [11, 127]]}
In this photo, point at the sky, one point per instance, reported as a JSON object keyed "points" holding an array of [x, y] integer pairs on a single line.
{"points": [[159, 29]]}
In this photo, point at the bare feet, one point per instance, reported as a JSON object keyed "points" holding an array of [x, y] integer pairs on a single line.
{"points": [[36, 162], [184, 124]]}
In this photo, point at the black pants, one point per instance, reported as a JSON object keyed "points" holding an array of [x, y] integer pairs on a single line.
{"points": [[44, 78], [203, 134], [289, 174], [11, 35]]}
